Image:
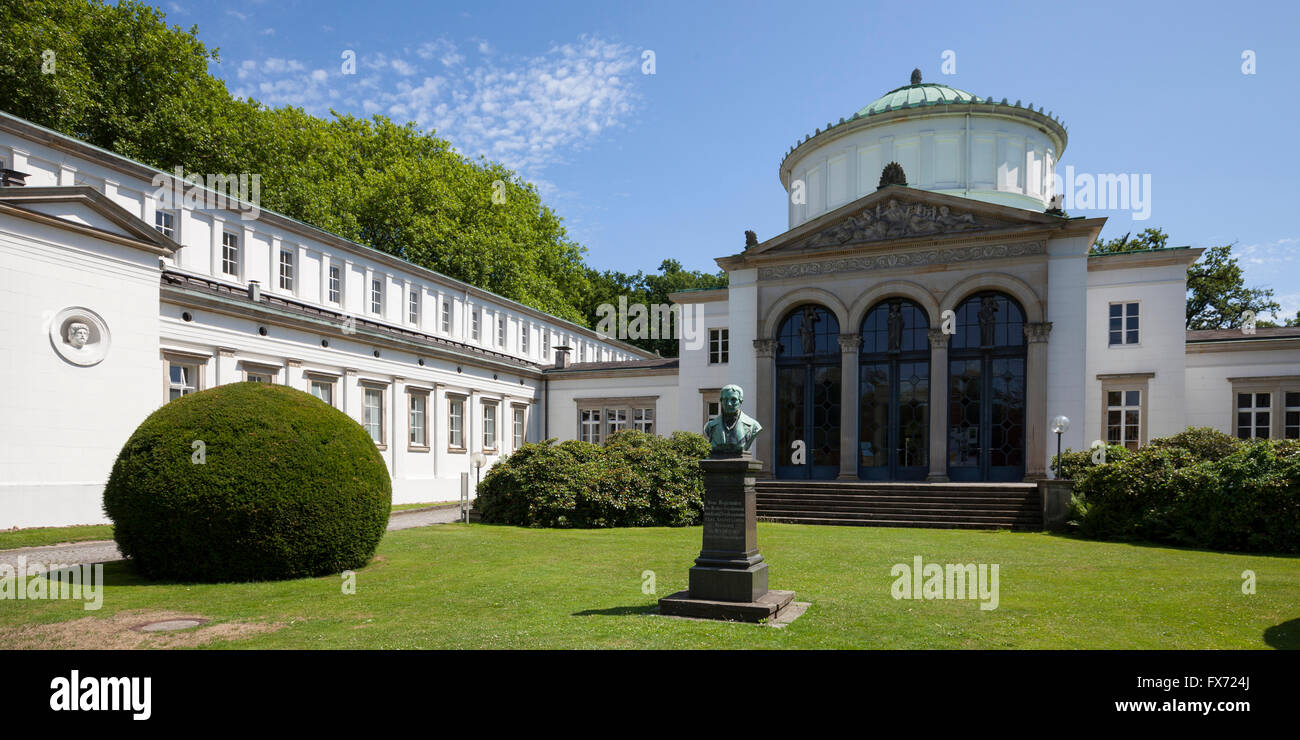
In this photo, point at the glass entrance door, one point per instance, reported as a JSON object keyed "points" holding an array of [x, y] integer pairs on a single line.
{"points": [[894, 393], [986, 400], [808, 395]]}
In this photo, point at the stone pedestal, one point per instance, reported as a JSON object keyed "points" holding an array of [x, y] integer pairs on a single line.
{"points": [[729, 580]]}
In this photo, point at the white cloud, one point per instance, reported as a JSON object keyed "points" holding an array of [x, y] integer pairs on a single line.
{"points": [[235, 13], [1270, 253], [525, 112], [268, 31]]}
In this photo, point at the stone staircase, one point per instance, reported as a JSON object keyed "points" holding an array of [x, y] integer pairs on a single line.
{"points": [[870, 504]]}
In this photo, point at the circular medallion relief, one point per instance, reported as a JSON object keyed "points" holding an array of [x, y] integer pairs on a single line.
{"points": [[80, 336]]}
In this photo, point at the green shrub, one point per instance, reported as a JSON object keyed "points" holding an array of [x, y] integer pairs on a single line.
{"points": [[1205, 443], [634, 480], [289, 487], [1074, 465], [1198, 488]]}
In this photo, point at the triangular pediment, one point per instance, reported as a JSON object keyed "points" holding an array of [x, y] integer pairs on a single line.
{"points": [[85, 209], [900, 216]]}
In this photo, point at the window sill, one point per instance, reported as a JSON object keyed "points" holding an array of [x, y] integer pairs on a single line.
{"points": [[380, 446], [456, 450], [417, 448]]}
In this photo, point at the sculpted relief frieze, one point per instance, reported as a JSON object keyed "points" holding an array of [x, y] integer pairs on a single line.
{"points": [[894, 219], [902, 260]]}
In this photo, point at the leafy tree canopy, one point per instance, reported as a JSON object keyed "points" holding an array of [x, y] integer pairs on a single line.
{"points": [[126, 81]]}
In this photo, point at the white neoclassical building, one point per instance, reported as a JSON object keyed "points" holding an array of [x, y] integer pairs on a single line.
{"points": [[919, 332]]}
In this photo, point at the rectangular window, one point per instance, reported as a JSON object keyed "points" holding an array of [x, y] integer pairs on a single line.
{"points": [[446, 317], [182, 380], [1124, 418], [517, 440], [1291, 415], [590, 426], [230, 253], [474, 327], [712, 410], [165, 223], [489, 426], [324, 390], [377, 297], [335, 285], [1123, 323], [643, 420], [523, 339], [413, 306], [501, 330], [419, 402], [1254, 419], [286, 269], [257, 377], [546, 344], [615, 420], [374, 414], [719, 342], [456, 423]]}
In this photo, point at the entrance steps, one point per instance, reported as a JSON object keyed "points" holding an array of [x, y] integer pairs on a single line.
{"points": [[914, 504]]}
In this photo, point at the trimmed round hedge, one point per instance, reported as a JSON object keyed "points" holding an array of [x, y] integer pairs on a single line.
{"points": [[248, 482]]}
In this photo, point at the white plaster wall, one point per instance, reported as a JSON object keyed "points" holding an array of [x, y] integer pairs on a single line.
{"points": [[1162, 292], [1068, 344], [695, 372], [1210, 399], [1011, 162], [65, 424], [564, 392]]}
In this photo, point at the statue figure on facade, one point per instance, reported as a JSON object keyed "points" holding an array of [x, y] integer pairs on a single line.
{"points": [[988, 312], [732, 432], [895, 325], [808, 335]]}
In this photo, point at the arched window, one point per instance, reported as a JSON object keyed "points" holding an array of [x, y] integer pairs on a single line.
{"points": [[807, 439], [986, 375], [894, 392]]}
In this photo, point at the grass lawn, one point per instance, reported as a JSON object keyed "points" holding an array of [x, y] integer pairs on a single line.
{"points": [[40, 536], [480, 586]]}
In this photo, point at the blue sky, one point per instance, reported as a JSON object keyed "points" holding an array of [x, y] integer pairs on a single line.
{"points": [[679, 163]]}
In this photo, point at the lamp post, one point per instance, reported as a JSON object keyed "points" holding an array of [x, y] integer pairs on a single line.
{"points": [[1059, 425], [478, 460]]}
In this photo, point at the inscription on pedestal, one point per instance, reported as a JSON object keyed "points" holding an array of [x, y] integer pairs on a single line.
{"points": [[724, 523]]}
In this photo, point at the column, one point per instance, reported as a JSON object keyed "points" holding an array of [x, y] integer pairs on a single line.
{"points": [[1036, 401], [350, 394], [938, 407], [218, 228], [226, 372], [765, 404], [849, 346], [293, 376]]}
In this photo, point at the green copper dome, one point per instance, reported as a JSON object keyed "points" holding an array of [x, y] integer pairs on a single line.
{"points": [[915, 96]]}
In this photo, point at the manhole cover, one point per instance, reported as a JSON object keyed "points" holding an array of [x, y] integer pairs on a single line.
{"points": [[169, 625]]}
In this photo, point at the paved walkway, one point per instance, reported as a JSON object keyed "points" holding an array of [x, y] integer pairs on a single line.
{"points": [[105, 551]]}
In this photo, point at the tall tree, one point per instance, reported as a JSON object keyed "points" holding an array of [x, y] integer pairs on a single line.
{"points": [[1217, 296], [648, 290], [123, 79]]}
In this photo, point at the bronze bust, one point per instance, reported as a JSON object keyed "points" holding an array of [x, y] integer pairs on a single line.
{"points": [[733, 431]]}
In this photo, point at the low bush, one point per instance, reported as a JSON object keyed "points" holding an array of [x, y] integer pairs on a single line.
{"points": [[633, 480], [1198, 488]]}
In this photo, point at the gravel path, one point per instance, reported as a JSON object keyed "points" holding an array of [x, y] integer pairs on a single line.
{"points": [[104, 551]]}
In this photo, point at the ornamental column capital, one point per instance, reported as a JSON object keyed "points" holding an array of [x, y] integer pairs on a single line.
{"points": [[766, 347], [1038, 332], [938, 338], [850, 343]]}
